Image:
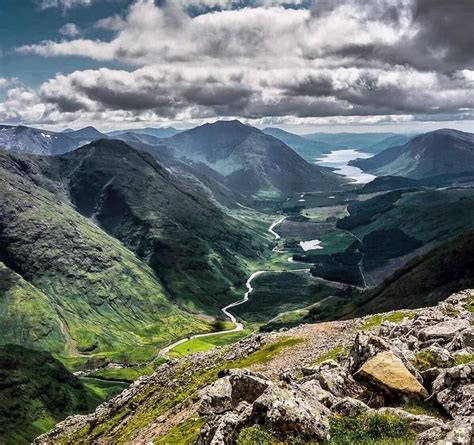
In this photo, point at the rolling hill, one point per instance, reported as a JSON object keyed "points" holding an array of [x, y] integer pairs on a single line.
{"points": [[439, 152], [250, 161]]}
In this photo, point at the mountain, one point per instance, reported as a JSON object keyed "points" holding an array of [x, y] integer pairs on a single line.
{"points": [[391, 141], [439, 152], [163, 132], [36, 391], [86, 133], [368, 142], [98, 244], [309, 150], [23, 139], [251, 161]]}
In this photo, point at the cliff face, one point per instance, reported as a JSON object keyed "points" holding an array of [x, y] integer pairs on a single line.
{"points": [[404, 375]]}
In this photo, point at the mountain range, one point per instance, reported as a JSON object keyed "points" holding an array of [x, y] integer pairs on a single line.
{"points": [[436, 153]]}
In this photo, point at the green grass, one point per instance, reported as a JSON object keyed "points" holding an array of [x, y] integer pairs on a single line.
{"points": [[462, 359], [423, 408], [427, 359], [450, 312], [367, 429], [101, 389], [185, 433], [254, 435], [338, 354], [206, 343], [469, 305], [377, 320]]}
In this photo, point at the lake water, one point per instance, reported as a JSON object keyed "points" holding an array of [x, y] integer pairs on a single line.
{"points": [[338, 159]]}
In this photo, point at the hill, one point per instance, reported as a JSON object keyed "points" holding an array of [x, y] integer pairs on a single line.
{"points": [[250, 161], [162, 132], [309, 150], [36, 392], [439, 152]]}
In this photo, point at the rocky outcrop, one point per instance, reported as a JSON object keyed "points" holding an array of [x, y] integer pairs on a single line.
{"points": [[425, 359]]}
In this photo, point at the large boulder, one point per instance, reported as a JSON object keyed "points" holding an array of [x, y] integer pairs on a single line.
{"points": [[443, 332], [454, 390], [386, 372], [234, 387], [292, 411]]}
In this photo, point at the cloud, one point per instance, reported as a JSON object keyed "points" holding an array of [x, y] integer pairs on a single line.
{"points": [[258, 59], [6, 82], [63, 4], [70, 30]]}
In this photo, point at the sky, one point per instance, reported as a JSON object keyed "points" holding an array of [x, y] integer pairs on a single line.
{"points": [[301, 65]]}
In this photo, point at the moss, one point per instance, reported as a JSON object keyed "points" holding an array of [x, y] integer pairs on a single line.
{"points": [[377, 320], [338, 354], [427, 359], [469, 305], [367, 429], [255, 435], [462, 359], [450, 312], [184, 433]]}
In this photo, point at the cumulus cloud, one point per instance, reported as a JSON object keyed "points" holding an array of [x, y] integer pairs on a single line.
{"points": [[69, 30], [334, 59]]}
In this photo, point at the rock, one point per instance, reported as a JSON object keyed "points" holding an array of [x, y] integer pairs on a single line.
{"points": [[335, 379], [419, 423], [222, 430], [292, 411], [388, 373], [313, 388], [230, 390], [457, 432], [444, 331], [365, 347], [454, 390], [350, 407], [462, 340]]}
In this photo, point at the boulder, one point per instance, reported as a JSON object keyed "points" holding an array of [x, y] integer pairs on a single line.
{"points": [[457, 432], [454, 390], [350, 407], [364, 348], [227, 392], [334, 378], [387, 372], [444, 331], [313, 389], [463, 340], [418, 422], [292, 411]]}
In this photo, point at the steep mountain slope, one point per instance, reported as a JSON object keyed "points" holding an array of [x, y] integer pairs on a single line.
{"points": [[36, 391], [195, 248], [424, 281], [309, 150], [391, 141], [31, 140], [68, 285], [436, 153], [251, 161]]}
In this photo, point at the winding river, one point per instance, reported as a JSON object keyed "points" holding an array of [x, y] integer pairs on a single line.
{"points": [[225, 310]]}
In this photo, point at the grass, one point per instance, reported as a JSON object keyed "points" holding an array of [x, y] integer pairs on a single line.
{"points": [[450, 311], [370, 429], [377, 320], [184, 433], [338, 354], [101, 389], [420, 407], [255, 435], [206, 343], [427, 359], [129, 374], [469, 306]]}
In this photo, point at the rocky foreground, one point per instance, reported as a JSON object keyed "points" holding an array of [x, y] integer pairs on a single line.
{"points": [[400, 377]]}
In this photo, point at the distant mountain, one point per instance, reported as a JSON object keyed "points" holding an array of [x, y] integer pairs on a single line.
{"points": [[89, 133], [23, 139], [251, 161], [439, 152], [391, 141], [163, 132], [310, 150], [368, 142]]}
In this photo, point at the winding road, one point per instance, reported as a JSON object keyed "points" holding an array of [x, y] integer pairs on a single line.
{"points": [[225, 310]]}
